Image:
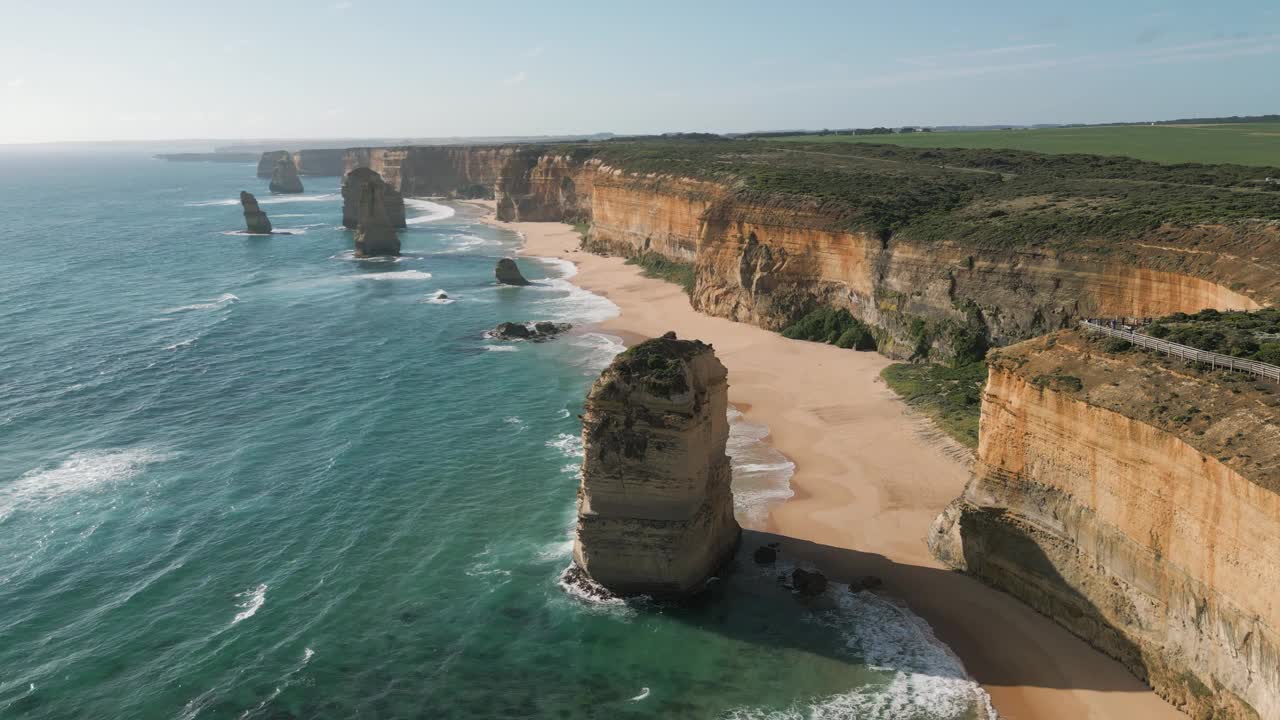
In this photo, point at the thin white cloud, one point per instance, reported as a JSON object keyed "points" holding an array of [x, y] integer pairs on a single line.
{"points": [[946, 58], [341, 5], [515, 79], [15, 83], [535, 52]]}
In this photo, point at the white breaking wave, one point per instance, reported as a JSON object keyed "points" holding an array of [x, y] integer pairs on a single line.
{"points": [[267, 200], [440, 297], [644, 693], [430, 211], [576, 305], [570, 445], [81, 472], [252, 601], [397, 275], [598, 350], [761, 474], [501, 348], [221, 301], [924, 679]]}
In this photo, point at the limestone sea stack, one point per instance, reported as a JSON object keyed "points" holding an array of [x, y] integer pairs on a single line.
{"points": [[267, 163], [353, 184], [655, 509], [255, 220], [374, 233], [284, 179], [508, 273]]}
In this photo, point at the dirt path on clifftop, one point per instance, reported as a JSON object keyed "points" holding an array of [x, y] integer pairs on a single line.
{"points": [[867, 488]]}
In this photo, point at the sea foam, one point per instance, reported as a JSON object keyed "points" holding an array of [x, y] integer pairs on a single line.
{"points": [[81, 472], [428, 211]]}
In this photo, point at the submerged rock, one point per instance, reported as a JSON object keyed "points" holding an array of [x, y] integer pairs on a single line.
{"points": [[255, 220], [808, 583], [537, 332], [508, 273], [374, 233], [655, 509], [284, 178], [353, 184]]}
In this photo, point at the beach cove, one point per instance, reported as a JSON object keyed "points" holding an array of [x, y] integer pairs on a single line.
{"points": [[869, 479]]}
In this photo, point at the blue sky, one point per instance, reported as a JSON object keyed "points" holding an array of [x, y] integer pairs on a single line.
{"points": [[370, 68]]}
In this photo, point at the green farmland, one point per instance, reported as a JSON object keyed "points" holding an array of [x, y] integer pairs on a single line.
{"points": [[1242, 144]]}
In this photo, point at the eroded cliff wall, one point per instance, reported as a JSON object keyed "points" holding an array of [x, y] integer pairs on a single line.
{"points": [[768, 262], [1136, 503]]}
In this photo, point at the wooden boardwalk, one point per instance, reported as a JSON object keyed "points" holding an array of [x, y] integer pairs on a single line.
{"points": [[1185, 352]]}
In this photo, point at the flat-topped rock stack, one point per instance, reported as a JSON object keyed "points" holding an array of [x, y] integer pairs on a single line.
{"points": [[375, 234], [655, 508], [255, 220], [352, 186], [284, 178], [267, 163]]}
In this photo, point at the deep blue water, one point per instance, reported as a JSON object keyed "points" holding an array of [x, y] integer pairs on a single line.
{"points": [[254, 477]]}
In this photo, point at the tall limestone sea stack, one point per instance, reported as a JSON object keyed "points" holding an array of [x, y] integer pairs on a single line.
{"points": [[255, 220], [352, 186], [655, 508], [374, 233], [284, 179], [267, 163]]}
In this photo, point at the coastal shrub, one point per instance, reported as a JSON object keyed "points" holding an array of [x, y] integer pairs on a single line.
{"points": [[1116, 345], [950, 395], [1056, 381], [653, 364], [833, 327], [1248, 335], [654, 265]]}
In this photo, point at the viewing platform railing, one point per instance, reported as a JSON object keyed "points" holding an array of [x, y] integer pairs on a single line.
{"points": [[1185, 352]]}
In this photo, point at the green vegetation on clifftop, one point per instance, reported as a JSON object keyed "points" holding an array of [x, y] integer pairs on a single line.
{"points": [[950, 396], [653, 265]]}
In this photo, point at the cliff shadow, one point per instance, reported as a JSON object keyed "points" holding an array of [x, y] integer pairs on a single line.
{"points": [[1000, 640]]}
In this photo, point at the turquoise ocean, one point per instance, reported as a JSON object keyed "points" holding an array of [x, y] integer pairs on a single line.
{"points": [[254, 477]]}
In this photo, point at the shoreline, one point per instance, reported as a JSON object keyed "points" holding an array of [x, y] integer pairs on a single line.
{"points": [[868, 480]]}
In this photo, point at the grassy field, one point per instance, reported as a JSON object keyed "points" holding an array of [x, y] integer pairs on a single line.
{"points": [[1242, 144]]}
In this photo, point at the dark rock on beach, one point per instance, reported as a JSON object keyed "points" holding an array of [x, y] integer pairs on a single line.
{"points": [[808, 582], [865, 582], [284, 178], [537, 332], [508, 273], [255, 220], [765, 556]]}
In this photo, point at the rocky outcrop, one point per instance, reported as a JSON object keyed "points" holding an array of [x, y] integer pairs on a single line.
{"points": [[534, 332], [268, 161], [1137, 503], [323, 162], [353, 184], [655, 510], [284, 178], [508, 273], [374, 234], [255, 219]]}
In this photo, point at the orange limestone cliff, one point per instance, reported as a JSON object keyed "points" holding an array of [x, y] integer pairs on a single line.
{"points": [[655, 509], [1137, 503]]}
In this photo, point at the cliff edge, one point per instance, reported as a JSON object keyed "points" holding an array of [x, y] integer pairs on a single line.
{"points": [[1137, 503], [655, 509]]}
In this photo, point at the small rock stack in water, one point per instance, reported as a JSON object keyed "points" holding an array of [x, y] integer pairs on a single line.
{"points": [[374, 233], [508, 273], [353, 185], [284, 179], [255, 220], [655, 509]]}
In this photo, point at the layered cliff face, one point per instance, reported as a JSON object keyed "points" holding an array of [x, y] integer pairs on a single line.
{"points": [[353, 184], [655, 509], [323, 162], [768, 261], [375, 235], [268, 161], [1137, 503]]}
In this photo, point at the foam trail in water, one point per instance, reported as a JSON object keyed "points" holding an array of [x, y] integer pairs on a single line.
{"points": [[81, 472], [221, 301], [391, 276], [428, 211], [252, 601]]}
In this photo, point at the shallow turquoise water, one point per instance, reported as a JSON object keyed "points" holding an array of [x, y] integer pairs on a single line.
{"points": [[253, 477]]}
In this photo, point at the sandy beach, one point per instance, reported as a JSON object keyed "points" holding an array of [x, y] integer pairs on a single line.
{"points": [[870, 477]]}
